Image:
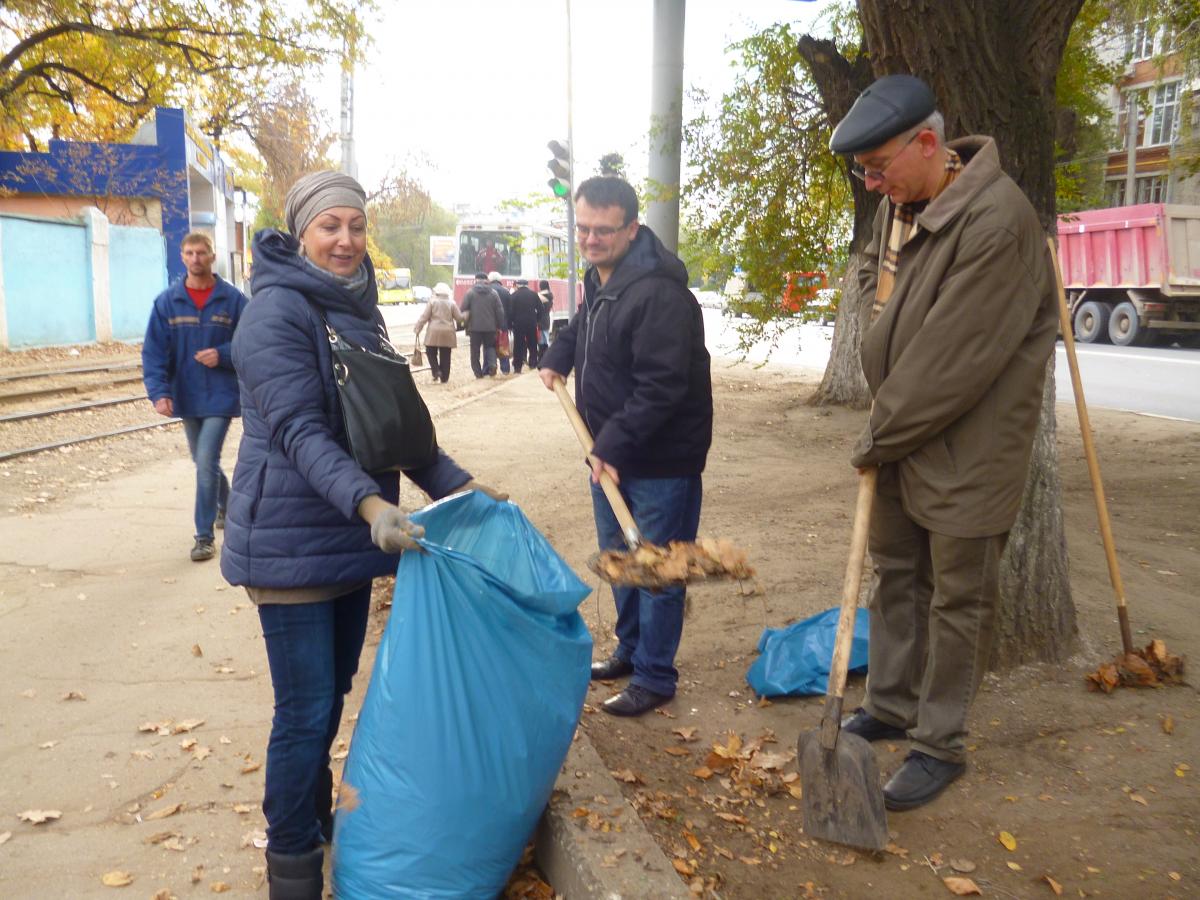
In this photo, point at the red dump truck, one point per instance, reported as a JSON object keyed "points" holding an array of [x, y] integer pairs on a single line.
{"points": [[1132, 273]]}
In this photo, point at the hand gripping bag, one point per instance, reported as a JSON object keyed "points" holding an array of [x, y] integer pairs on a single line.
{"points": [[478, 685], [795, 661]]}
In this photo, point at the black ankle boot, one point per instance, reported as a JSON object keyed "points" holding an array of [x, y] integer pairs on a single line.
{"points": [[325, 803], [296, 876]]}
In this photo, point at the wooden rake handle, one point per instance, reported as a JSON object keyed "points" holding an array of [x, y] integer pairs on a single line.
{"points": [[1089, 451], [633, 536], [840, 665]]}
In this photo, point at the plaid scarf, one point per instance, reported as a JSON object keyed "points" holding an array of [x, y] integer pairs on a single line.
{"points": [[904, 229]]}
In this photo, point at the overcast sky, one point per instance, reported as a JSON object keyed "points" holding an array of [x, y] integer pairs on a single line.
{"points": [[466, 93]]}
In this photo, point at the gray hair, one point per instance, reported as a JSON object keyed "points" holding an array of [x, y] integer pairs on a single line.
{"points": [[936, 123]]}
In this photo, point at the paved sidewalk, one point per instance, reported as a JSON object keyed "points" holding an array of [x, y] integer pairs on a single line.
{"points": [[106, 627]]}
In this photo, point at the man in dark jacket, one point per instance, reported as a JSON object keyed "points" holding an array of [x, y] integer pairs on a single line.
{"points": [[524, 323], [505, 296], [958, 325], [485, 317], [642, 384], [188, 372]]}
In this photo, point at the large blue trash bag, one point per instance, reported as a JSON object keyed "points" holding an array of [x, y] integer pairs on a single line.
{"points": [[478, 686], [795, 660]]}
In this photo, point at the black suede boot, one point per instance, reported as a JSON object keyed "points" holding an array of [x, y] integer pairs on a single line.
{"points": [[325, 803], [297, 876]]}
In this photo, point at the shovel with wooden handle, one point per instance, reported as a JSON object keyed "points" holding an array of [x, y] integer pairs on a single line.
{"points": [[1089, 450], [629, 529], [842, 798]]}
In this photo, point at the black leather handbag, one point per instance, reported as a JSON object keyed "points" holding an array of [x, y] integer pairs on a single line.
{"points": [[387, 423]]}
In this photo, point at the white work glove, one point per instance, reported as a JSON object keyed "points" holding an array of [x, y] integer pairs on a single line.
{"points": [[393, 532]]}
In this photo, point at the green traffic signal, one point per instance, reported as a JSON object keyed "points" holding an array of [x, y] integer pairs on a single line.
{"points": [[560, 188], [560, 168]]}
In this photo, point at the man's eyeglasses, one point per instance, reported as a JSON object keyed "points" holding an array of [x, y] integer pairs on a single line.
{"points": [[600, 231], [857, 170]]}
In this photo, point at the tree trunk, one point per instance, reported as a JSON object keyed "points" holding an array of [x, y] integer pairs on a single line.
{"points": [[992, 65], [1037, 618], [843, 383]]}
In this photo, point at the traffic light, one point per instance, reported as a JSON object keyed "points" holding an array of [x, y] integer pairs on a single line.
{"points": [[560, 167]]}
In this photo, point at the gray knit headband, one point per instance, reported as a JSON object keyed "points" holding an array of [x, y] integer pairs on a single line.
{"points": [[314, 193]]}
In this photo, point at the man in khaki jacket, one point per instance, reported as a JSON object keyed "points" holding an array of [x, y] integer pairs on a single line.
{"points": [[959, 322]]}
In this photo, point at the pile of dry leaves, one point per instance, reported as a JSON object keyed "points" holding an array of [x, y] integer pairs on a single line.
{"points": [[651, 565], [1152, 666]]}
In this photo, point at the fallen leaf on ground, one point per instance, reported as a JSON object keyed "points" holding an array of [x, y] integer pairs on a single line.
{"points": [[1015, 866], [142, 754], [965, 866], [4, 836], [627, 775], [961, 886], [1138, 798], [219, 887], [692, 840], [703, 773], [163, 894], [682, 867], [161, 837], [1009, 842], [196, 651], [244, 807], [1168, 724], [116, 878], [251, 766], [686, 734], [1054, 885], [677, 751], [49, 745], [733, 817], [197, 874], [163, 812], [187, 725], [73, 695], [187, 743], [750, 861], [38, 816], [201, 753]]}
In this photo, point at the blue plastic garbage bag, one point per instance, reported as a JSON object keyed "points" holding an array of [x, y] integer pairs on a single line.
{"points": [[795, 660], [478, 686]]}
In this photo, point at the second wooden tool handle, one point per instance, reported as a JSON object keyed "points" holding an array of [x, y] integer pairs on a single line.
{"points": [[633, 537]]}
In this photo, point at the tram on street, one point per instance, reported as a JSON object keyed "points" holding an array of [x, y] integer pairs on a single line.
{"points": [[515, 250]]}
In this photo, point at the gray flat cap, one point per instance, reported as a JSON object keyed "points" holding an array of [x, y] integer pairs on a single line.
{"points": [[893, 104]]}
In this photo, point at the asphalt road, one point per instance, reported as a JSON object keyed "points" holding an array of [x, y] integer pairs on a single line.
{"points": [[1154, 381]]}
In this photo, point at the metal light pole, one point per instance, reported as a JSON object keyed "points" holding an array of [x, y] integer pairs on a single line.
{"points": [[666, 119], [572, 304], [349, 164]]}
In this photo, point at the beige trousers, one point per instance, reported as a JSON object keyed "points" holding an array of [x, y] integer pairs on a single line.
{"points": [[932, 612]]}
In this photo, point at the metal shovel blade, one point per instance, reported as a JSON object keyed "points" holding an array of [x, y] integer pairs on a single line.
{"points": [[842, 799]]}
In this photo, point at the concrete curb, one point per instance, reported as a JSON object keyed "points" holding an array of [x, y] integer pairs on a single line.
{"points": [[584, 863]]}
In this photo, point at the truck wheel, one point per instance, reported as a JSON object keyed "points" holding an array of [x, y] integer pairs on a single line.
{"points": [[1091, 322], [1124, 329]]}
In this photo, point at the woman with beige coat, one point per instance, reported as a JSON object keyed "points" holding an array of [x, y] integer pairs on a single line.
{"points": [[443, 317]]}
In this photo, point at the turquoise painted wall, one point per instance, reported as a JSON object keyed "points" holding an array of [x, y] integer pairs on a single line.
{"points": [[47, 282], [137, 271]]}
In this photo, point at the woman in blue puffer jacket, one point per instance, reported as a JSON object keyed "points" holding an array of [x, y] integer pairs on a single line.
{"points": [[307, 529]]}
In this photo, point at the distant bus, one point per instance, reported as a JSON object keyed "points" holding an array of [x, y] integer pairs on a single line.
{"points": [[395, 285], [515, 250]]}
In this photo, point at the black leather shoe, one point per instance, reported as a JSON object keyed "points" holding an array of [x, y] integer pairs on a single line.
{"points": [[919, 780], [869, 728], [633, 701], [613, 667]]}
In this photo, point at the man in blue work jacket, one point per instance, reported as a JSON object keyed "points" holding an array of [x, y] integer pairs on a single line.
{"points": [[188, 372]]}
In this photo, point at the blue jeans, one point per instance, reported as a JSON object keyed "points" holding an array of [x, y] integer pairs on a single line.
{"points": [[205, 437], [312, 650], [650, 623]]}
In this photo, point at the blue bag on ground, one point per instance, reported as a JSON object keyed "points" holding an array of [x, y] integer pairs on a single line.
{"points": [[478, 685], [795, 660]]}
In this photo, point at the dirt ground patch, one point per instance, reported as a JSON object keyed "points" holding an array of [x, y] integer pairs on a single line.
{"points": [[1099, 792]]}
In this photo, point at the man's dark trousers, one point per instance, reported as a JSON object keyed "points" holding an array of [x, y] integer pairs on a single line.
{"points": [[932, 613], [483, 353]]}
